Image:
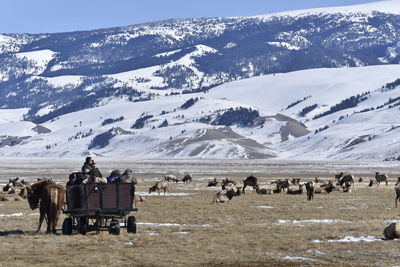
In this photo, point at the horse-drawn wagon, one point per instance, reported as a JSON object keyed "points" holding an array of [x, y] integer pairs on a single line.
{"points": [[100, 207]]}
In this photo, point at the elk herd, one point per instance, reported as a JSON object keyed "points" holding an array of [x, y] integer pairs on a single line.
{"points": [[17, 189], [342, 182]]}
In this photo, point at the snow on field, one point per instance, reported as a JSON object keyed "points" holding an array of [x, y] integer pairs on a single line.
{"points": [[18, 214], [162, 194], [327, 221], [314, 251], [351, 239], [289, 258], [181, 233], [171, 224]]}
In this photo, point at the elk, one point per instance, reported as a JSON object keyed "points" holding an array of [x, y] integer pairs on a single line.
{"points": [[161, 185], [296, 192], [381, 178], [249, 181], [397, 190], [263, 191], [213, 183], [310, 186], [224, 196], [170, 178], [187, 178]]}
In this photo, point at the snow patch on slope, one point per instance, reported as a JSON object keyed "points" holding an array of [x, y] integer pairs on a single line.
{"points": [[41, 58], [387, 6]]}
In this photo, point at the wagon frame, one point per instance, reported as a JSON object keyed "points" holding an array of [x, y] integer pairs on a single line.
{"points": [[100, 207]]}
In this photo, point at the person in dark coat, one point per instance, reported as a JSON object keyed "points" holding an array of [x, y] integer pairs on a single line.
{"points": [[87, 166]]}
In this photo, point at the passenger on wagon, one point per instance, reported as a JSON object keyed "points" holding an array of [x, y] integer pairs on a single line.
{"points": [[87, 166]]}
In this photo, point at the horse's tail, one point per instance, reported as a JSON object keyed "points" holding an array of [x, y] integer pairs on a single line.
{"points": [[56, 202]]}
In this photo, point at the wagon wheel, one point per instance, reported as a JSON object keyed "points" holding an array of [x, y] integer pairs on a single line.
{"points": [[82, 225], [131, 227], [114, 228], [67, 226]]}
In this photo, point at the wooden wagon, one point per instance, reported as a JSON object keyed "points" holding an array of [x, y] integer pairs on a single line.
{"points": [[100, 207]]}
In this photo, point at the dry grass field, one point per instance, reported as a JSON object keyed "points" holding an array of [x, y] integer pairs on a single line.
{"points": [[186, 229]]}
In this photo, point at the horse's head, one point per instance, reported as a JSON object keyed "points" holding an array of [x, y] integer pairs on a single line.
{"points": [[33, 198], [35, 191]]}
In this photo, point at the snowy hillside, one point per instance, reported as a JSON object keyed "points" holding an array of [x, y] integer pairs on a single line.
{"points": [[253, 118], [49, 72]]}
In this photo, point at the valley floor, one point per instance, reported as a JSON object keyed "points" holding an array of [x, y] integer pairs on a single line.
{"points": [[186, 229]]}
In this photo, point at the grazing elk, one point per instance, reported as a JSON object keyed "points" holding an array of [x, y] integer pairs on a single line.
{"points": [[371, 183], [347, 179], [381, 178], [171, 178], [296, 192], [310, 187], [213, 183], [282, 184], [160, 185], [187, 178], [249, 181], [227, 183], [49, 197]]}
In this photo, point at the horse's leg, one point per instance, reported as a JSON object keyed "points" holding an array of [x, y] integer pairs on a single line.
{"points": [[244, 188], [49, 223], [55, 221], [41, 218]]}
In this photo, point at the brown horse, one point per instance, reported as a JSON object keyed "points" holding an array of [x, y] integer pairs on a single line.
{"points": [[49, 197]]}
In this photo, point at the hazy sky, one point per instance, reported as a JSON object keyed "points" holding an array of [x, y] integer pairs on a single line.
{"points": [[40, 16]]}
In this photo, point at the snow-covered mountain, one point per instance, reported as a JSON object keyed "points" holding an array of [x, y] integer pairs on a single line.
{"points": [[301, 84], [338, 113]]}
